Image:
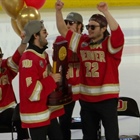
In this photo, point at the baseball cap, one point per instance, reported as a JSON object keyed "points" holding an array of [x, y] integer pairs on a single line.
{"points": [[101, 20], [73, 16], [32, 27]]}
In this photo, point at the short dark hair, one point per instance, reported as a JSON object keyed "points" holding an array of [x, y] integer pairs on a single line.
{"points": [[102, 21], [31, 41], [82, 27]]}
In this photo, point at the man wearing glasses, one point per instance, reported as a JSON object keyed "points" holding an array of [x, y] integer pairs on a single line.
{"points": [[74, 22], [100, 55]]}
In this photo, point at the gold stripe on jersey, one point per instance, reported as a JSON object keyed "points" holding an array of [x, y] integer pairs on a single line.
{"points": [[76, 89], [74, 41], [36, 92], [43, 55], [35, 117], [111, 49], [28, 81], [11, 105], [54, 108], [99, 90], [13, 66]]}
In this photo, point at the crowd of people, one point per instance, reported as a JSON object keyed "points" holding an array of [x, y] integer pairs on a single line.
{"points": [[93, 61]]}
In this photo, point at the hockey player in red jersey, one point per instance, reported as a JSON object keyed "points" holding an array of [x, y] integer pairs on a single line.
{"points": [[100, 55], [8, 71], [36, 81], [74, 22]]}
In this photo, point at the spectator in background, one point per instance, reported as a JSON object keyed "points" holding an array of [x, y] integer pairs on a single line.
{"points": [[100, 55]]}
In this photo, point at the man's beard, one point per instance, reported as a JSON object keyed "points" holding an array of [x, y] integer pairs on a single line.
{"points": [[43, 43]]}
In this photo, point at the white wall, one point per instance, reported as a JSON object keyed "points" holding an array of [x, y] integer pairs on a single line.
{"points": [[129, 20]]}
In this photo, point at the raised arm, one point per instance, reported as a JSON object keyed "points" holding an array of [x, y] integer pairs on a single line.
{"points": [[61, 26], [103, 7], [22, 46]]}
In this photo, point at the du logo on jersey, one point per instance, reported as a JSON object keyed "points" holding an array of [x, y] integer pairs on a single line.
{"points": [[122, 105]]}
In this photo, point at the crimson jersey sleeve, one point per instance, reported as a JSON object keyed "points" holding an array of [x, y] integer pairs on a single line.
{"points": [[11, 63], [117, 38]]}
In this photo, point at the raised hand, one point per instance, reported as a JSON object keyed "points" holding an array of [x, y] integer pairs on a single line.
{"points": [[59, 5], [102, 6]]}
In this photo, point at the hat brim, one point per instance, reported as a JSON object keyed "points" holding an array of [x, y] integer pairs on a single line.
{"points": [[68, 19]]}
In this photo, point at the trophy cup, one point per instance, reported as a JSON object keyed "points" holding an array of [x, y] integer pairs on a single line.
{"points": [[62, 94]]}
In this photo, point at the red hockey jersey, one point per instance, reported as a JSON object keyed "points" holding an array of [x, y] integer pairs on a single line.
{"points": [[8, 71], [35, 86], [98, 65]]}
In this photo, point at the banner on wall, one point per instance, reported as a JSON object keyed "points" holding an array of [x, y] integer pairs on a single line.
{"points": [[49, 4], [90, 3]]}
